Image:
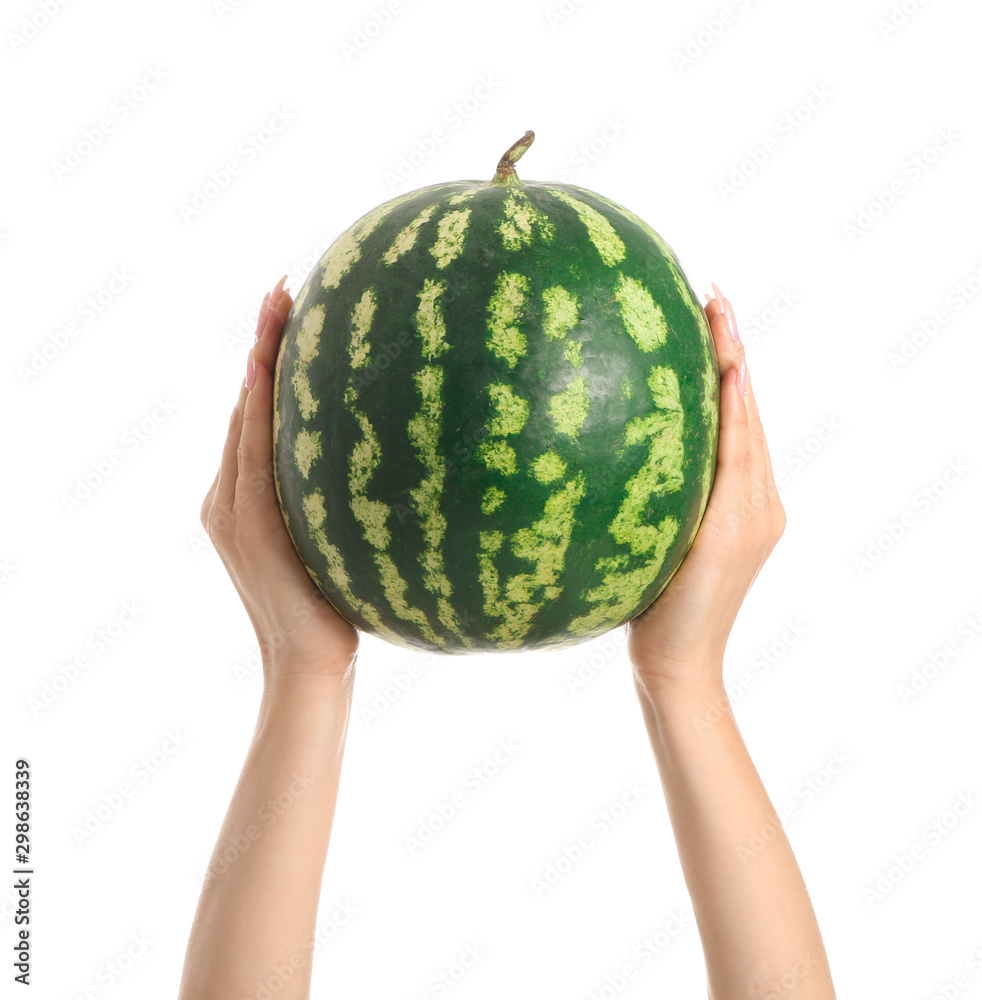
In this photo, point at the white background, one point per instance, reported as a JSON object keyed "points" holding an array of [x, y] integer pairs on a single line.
{"points": [[861, 443]]}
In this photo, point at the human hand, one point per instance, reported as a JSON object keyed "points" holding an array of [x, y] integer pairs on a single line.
{"points": [[299, 632], [679, 640]]}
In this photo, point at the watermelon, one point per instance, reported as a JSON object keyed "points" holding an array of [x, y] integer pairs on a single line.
{"points": [[495, 417]]}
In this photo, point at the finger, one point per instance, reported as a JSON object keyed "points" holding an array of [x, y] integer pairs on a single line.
{"points": [[735, 461], [254, 454], [207, 502], [712, 307], [254, 488], [228, 469], [751, 401], [728, 350], [763, 476], [267, 346], [734, 456], [757, 487]]}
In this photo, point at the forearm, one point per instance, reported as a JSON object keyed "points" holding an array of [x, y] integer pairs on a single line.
{"points": [[758, 929], [258, 906]]}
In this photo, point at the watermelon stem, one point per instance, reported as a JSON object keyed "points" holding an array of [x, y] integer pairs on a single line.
{"points": [[505, 174]]}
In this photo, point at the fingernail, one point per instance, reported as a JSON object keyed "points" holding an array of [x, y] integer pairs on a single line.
{"points": [[731, 321], [742, 376], [278, 291], [250, 379], [263, 310]]}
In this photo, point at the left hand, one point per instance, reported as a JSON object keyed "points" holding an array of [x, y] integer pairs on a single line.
{"points": [[299, 632]]}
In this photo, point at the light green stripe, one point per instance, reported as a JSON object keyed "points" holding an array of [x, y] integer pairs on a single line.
{"points": [[361, 323], [544, 544], [316, 515], [346, 249], [663, 470], [490, 542], [602, 234], [511, 411], [507, 305], [307, 340], [548, 467], [306, 449], [430, 324], [366, 454], [617, 596], [516, 229], [276, 404], [710, 425], [661, 473], [304, 396], [571, 352], [562, 312], [308, 336], [451, 230], [407, 237], [498, 456], [691, 302], [365, 458], [424, 435], [395, 592], [569, 408], [638, 221], [494, 497], [510, 416], [642, 316], [664, 386]]}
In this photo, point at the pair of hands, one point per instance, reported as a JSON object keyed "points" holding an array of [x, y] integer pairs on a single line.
{"points": [[679, 640]]}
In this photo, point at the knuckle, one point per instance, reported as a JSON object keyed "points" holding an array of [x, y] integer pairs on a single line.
{"points": [[221, 521], [206, 506], [244, 455], [742, 459], [780, 520]]}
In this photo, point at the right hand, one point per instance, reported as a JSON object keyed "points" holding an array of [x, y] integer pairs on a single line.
{"points": [[679, 640]]}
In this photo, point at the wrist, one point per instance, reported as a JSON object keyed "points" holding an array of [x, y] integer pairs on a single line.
{"points": [[286, 686], [685, 710], [691, 683]]}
